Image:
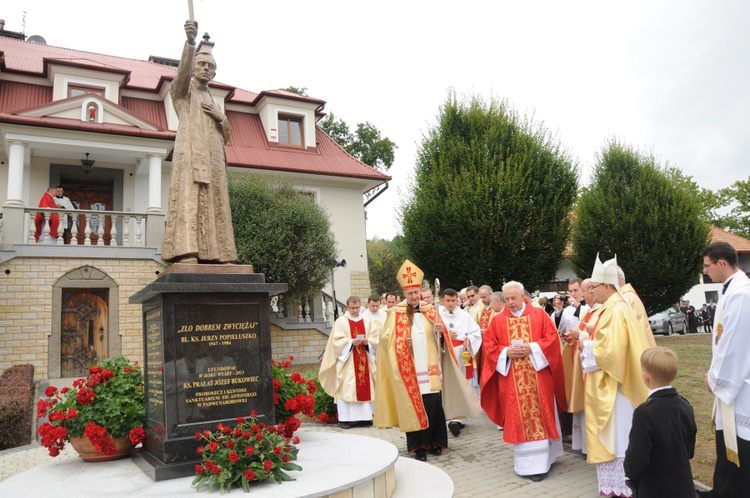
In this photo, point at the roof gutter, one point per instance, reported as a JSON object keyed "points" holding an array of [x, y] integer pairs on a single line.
{"points": [[376, 195]]}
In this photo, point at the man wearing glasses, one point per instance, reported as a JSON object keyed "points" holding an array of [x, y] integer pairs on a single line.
{"points": [[613, 387], [728, 378], [475, 306]]}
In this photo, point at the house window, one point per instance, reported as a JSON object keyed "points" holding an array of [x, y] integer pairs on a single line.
{"points": [[76, 90], [309, 195], [290, 130]]}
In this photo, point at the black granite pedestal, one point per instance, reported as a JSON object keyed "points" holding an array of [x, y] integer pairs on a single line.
{"points": [[207, 355]]}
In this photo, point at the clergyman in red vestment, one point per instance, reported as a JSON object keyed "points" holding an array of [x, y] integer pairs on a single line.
{"points": [[523, 384]]}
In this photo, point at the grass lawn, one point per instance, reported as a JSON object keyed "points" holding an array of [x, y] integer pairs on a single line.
{"points": [[694, 353]]}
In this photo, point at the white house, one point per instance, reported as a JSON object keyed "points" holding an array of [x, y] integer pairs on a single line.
{"points": [[705, 290], [103, 127]]}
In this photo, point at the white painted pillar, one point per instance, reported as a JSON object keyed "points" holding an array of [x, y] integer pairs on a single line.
{"points": [[16, 154], [154, 184]]}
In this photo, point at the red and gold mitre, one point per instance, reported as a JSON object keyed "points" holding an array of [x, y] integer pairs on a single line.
{"points": [[410, 276]]}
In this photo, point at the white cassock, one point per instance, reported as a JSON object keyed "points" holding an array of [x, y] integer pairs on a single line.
{"points": [[611, 474], [571, 319], [460, 322], [729, 374]]}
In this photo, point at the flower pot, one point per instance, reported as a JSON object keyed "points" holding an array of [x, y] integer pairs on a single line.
{"points": [[88, 453]]}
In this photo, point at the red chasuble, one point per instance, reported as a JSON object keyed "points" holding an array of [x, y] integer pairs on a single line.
{"points": [[361, 367], [47, 201], [484, 324], [523, 402]]}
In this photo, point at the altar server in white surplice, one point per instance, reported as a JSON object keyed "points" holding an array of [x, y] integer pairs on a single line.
{"points": [[376, 314], [347, 372], [728, 378], [465, 337]]}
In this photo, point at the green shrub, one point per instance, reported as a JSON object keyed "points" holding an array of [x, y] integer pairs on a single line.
{"points": [[16, 406]]}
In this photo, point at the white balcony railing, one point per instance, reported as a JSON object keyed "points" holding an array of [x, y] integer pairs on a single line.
{"points": [[88, 227]]}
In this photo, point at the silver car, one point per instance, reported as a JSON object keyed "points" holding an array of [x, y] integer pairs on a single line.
{"points": [[668, 322]]}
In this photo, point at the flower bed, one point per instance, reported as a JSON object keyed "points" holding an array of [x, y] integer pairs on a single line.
{"points": [[249, 452]]}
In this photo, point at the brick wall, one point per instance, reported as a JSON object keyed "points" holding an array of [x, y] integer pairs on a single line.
{"points": [[305, 344], [26, 307], [360, 285], [26, 311]]}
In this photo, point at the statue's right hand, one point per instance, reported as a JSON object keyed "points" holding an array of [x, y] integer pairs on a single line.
{"points": [[191, 30]]}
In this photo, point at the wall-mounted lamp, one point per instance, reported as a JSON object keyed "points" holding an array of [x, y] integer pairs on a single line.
{"points": [[338, 264], [87, 163]]}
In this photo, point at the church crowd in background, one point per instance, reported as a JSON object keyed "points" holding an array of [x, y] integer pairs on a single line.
{"points": [[583, 367]]}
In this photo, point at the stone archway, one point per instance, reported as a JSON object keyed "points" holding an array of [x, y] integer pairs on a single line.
{"points": [[84, 278]]}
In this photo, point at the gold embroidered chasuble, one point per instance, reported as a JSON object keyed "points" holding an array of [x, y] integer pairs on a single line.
{"points": [[574, 376], [398, 399], [619, 342], [633, 299], [525, 400]]}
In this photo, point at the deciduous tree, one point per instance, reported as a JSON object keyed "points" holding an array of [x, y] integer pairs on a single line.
{"points": [[366, 143], [384, 258], [282, 233], [737, 198]]}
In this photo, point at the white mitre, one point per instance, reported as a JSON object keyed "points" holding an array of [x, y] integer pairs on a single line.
{"points": [[605, 273]]}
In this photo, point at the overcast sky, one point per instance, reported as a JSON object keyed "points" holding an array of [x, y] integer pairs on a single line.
{"points": [[670, 77]]}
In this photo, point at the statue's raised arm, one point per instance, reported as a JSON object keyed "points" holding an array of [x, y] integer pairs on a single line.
{"points": [[199, 221]]}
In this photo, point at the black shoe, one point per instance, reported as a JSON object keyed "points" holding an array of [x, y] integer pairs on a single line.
{"points": [[537, 477], [709, 493], [346, 425], [436, 450], [421, 455], [455, 428]]}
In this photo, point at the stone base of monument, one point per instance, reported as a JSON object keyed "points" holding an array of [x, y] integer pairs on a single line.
{"points": [[207, 358], [333, 465]]}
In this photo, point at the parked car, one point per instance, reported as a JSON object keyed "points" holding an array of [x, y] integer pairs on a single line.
{"points": [[668, 322]]}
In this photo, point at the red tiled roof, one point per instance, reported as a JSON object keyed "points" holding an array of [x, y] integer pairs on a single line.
{"points": [[15, 96], [151, 110], [740, 243], [248, 146]]}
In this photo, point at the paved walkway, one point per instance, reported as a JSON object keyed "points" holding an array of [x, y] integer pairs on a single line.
{"points": [[478, 461]]}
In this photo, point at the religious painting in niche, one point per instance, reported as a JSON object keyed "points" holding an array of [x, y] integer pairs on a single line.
{"points": [[83, 337]]}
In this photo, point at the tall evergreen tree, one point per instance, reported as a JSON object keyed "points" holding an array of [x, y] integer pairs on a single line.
{"points": [[492, 197], [646, 214]]}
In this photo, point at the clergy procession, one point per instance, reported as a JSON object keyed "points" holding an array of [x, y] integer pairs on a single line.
{"points": [[588, 371]]}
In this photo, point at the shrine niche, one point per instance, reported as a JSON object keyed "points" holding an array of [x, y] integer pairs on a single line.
{"points": [[85, 319]]}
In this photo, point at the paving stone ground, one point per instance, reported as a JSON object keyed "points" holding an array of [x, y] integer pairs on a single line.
{"points": [[478, 461]]}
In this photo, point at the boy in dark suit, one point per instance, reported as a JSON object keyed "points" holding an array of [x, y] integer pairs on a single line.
{"points": [[662, 439]]}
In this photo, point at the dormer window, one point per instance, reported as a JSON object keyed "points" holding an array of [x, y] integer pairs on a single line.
{"points": [[76, 90], [290, 130]]}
